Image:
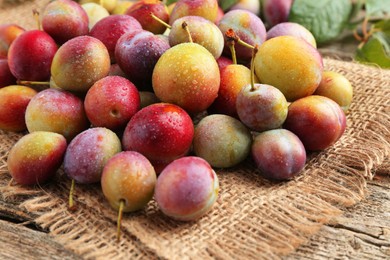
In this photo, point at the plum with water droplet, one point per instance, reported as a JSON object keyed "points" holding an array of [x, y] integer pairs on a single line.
{"points": [[64, 20], [290, 64], [129, 177], [141, 11], [137, 54], [161, 132], [279, 154], [187, 75], [79, 63], [207, 9], [57, 111], [187, 189], [111, 102], [247, 26], [223, 141], [31, 54], [109, 29], [318, 121], [202, 31], [233, 78], [8, 33], [36, 157], [13, 103], [88, 153], [336, 87]]}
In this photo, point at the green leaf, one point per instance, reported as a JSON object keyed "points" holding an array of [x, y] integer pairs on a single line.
{"points": [[324, 18], [376, 50], [383, 25], [171, 2], [226, 4], [377, 7]]}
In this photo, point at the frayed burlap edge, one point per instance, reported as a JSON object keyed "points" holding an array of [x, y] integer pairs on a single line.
{"points": [[253, 218]]}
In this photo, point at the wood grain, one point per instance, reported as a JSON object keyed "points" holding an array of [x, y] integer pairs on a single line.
{"points": [[20, 242], [363, 232]]}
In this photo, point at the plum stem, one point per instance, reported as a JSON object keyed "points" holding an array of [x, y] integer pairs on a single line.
{"points": [[27, 82], [71, 202], [160, 21], [231, 40], [36, 17], [233, 51], [255, 49], [245, 44], [119, 221], [184, 25]]}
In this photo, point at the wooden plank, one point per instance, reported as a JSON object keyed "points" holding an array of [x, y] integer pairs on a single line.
{"points": [[363, 232], [19, 242]]}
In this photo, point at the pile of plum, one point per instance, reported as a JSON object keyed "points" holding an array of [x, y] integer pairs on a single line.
{"points": [[112, 98]]}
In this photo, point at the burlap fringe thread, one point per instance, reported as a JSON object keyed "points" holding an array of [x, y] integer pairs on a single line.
{"points": [[253, 218]]}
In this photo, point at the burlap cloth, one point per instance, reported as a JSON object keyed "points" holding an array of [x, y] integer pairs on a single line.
{"points": [[253, 218]]}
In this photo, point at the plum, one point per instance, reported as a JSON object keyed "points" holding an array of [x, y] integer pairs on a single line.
{"points": [[79, 63], [122, 6], [187, 189], [141, 11], [6, 77], [8, 33], [222, 141], [247, 26], [187, 75], [137, 54], [202, 31], [207, 9], [223, 61], [161, 132], [95, 13], [128, 176], [220, 14], [318, 121], [276, 11], [31, 54], [109, 29], [252, 6], [64, 20], [279, 154], [290, 64], [56, 111], [109, 5], [36, 157], [13, 103], [233, 78], [336, 87], [88, 153], [261, 107], [293, 29], [128, 182], [111, 102]]}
